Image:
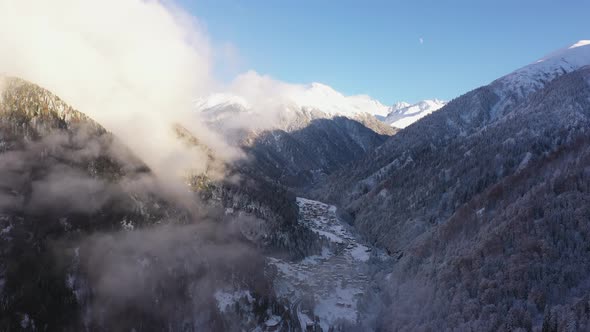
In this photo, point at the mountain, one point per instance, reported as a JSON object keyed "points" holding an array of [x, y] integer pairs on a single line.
{"points": [[475, 217], [534, 76], [310, 96], [300, 158], [297, 143], [322, 97], [92, 239], [404, 114], [292, 109], [482, 204]]}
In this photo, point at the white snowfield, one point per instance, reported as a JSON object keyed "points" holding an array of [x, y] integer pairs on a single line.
{"points": [[334, 280], [404, 114]]}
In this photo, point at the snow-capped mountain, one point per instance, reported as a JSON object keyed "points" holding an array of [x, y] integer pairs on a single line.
{"points": [[403, 114], [61, 169], [314, 96], [489, 173], [520, 83], [322, 97], [278, 105], [535, 75], [509, 88]]}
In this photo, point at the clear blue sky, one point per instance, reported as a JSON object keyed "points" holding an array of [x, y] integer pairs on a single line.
{"points": [[373, 47]]}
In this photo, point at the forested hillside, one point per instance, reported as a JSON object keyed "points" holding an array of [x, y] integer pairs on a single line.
{"points": [[484, 204]]}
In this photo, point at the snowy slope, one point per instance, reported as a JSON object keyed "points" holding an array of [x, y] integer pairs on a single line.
{"points": [[535, 75], [402, 116]]}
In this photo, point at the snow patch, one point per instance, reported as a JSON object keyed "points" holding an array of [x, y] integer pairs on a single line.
{"points": [[360, 253], [226, 299], [339, 305], [405, 116], [525, 161]]}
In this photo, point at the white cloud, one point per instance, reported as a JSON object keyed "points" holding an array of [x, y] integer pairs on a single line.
{"points": [[421, 40], [134, 66], [271, 103]]}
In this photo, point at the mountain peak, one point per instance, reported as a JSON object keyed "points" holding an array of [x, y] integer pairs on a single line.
{"points": [[535, 75], [577, 54]]}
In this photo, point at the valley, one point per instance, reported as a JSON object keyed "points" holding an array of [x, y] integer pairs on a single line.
{"points": [[326, 289], [338, 170]]}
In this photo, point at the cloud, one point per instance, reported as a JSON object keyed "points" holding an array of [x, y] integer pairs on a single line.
{"points": [[231, 62], [421, 40], [134, 66], [270, 103], [167, 273]]}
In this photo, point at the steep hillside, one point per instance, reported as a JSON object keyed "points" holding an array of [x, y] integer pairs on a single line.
{"points": [[92, 240], [299, 146], [512, 257], [454, 195], [441, 152], [303, 157]]}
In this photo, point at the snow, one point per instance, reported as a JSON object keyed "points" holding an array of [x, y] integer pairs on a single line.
{"points": [[339, 305], [273, 321], [271, 102], [127, 225], [226, 299], [398, 106], [330, 236], [316, 97], [534, 76], [525, 161], [360, 253], [326, 99], [220, 100], [335, 279], [401, 117]]}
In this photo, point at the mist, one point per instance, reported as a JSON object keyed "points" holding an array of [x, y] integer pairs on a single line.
{"points": [[133, 66]]}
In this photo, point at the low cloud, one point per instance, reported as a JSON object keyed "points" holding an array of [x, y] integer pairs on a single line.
{"points": [[270, 103], [165, 274], [134, 66]]}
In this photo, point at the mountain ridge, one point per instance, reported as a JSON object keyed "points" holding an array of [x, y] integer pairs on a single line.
{"points": [[455, 196]]}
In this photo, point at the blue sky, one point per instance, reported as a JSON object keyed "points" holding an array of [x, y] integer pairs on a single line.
{"points": [[373, 47]]}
